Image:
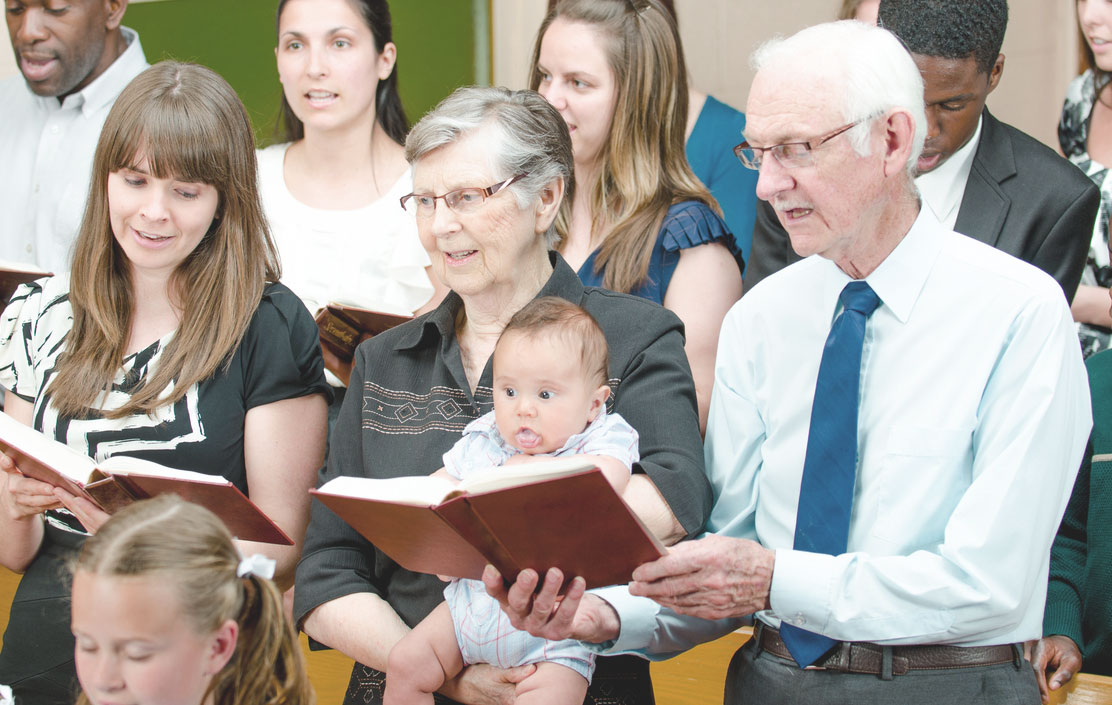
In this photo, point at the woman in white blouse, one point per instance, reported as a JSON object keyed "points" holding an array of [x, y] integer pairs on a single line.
{"points": [[331, 190]]}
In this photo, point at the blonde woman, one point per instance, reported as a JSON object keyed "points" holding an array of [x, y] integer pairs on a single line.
{"points": [[860, 10], [171, 340], [639, 222]]}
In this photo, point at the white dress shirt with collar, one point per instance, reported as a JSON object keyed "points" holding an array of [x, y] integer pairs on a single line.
{"points": [[944, 188], [48, 152], [974, 415]]}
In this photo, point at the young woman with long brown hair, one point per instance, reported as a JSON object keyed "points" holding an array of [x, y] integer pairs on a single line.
{"points": [[171, 340]]}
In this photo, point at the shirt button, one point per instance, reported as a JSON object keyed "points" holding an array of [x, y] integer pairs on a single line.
{"points": [[36, 188], [799, 620], [54, 129], [28, 249]]}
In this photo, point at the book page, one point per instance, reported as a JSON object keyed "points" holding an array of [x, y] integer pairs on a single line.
{"points": [[499, 477], [369, 321], [349, 306], [39, 457], [7, 265], [127, 465], [419, 490]]}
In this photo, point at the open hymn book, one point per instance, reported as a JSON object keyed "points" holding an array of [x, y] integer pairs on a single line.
{"points": [[560, 512], [12, 274], [343, 327], [121, 480]]}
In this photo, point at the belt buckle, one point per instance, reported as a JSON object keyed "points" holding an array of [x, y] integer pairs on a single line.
{"points": [[837, 660]]}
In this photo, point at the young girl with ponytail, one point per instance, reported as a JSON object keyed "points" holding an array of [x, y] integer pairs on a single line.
{"points": [[167, 612]]}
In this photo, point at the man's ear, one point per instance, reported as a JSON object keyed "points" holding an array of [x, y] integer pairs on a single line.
{"points": [[114, 14], [995, 73], [899, 131]]}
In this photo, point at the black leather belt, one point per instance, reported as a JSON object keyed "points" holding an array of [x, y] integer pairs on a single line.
{"points": [[864, 657]]}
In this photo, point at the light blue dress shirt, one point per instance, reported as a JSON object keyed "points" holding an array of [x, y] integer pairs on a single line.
{"points": [[974, 415]]}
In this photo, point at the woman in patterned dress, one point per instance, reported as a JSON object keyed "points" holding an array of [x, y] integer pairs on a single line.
{"points": [[1085, 135], [170, 340]]}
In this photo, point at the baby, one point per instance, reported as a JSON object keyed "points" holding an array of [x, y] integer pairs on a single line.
{"points": [[550, 392]]}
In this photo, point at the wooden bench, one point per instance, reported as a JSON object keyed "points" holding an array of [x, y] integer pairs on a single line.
{"points": [[696, 677], [1084, 689]]}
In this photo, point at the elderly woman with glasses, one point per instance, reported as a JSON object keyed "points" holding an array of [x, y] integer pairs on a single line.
{"points": [[491, 168]]}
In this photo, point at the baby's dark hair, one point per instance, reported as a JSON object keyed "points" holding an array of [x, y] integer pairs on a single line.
{"points": [[560, 318]]}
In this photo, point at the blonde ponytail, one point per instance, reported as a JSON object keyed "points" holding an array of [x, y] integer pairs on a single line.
{"points": [[191, 548]]}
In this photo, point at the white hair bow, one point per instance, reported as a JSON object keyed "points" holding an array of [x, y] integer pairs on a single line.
{"points": [[6, 696], [258, 565]]}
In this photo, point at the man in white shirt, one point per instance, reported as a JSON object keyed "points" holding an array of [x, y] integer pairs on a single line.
{"points": [[981, 177], [967, 407], [75, 58]]}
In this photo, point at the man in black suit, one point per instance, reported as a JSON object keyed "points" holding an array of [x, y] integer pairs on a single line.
{"points": [[981, 177]]}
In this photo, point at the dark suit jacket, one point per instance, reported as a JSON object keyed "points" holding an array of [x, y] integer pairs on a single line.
{"points": [[1021, 197]]}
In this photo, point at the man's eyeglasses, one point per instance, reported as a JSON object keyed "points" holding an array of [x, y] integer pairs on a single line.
{"points": [[462, 201], [790, 155]]}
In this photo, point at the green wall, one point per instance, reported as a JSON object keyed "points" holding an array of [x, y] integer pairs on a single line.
{"points": [[435, 40]]}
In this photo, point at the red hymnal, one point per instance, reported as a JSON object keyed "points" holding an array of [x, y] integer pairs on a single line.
{"points": [[559, 513], [120, 480]]}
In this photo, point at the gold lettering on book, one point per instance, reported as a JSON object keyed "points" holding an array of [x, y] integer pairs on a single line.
{"points": [[340, 333]]}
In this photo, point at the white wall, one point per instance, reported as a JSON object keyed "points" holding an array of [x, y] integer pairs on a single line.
{"points": [[719, 36]]}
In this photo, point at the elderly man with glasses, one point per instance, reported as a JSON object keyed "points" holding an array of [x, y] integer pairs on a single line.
{"points": [[980, 176], [894, 430]]}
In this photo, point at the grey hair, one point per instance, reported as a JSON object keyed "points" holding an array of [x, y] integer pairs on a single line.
{"points": [[875, 72], [534, 138]]}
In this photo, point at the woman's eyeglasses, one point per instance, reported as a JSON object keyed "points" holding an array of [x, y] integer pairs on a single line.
{"points": [[462, 201]]}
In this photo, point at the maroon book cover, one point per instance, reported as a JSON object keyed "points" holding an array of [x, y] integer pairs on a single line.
{"points": [[243, 517], [576, 522], [12, 275], [120, 480]]}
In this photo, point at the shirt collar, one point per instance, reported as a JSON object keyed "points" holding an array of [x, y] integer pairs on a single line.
{"points": [[105, 88], [441, 321], [943, 188], [900, 278]]}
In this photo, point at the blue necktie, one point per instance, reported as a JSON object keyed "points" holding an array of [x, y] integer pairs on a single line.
{"points": [[830, 465]]}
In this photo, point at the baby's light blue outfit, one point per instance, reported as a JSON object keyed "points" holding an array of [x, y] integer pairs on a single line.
{"points": [[483, 631]]}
